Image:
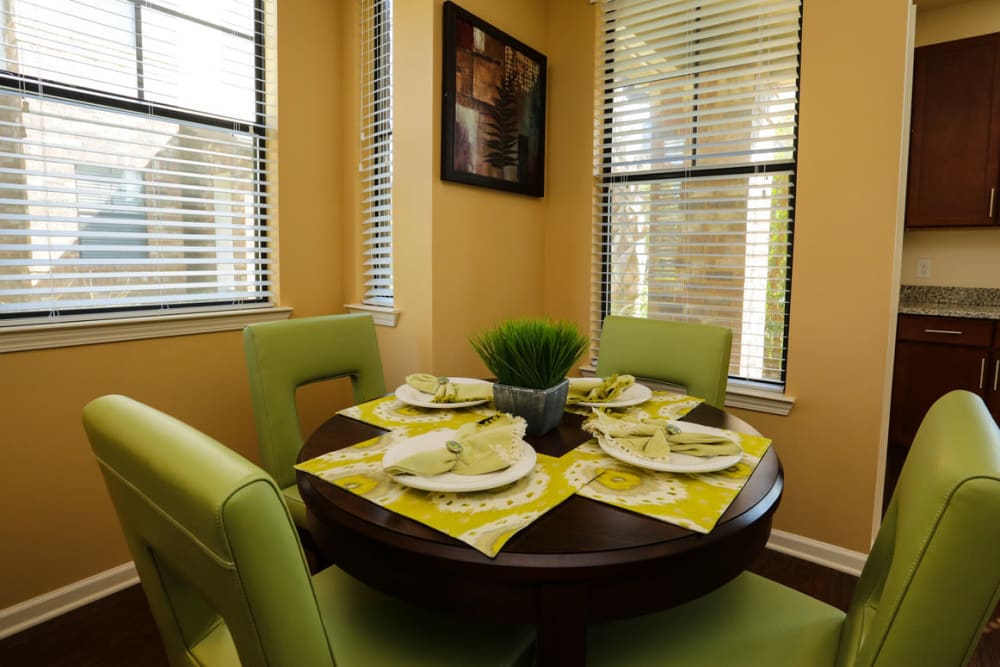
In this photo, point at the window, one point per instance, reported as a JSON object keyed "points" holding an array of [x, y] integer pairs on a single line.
{"points": [[132, 158], [376, 150], [696, 166], [111, 193]]}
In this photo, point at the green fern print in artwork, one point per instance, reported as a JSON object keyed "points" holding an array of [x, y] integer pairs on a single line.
{"points": [[502, 128]]}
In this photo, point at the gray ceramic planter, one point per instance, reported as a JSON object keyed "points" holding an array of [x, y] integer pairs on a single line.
{"points": [[541, 408]]}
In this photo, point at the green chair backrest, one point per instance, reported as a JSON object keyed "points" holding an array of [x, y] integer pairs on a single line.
{"points": [[283, 356], [212, 540], [686, 353], [932, 578]]}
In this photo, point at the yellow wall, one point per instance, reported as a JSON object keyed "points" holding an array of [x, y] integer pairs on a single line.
{"points": [[571, 182], [466, 256], [968, 257], [843, 278], [959, 257], [58, 525], [965, 19]]}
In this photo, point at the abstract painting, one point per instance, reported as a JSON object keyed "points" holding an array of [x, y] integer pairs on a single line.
{"points": [[493, 110]]}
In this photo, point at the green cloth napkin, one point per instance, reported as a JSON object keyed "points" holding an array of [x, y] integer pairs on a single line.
{"points": [[598, 390], [654, 446], [656, 439], [476, 449], [444, 390], [625, 424], [702, 444]]}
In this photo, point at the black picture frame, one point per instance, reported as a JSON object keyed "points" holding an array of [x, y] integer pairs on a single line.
{"points": [[493, 107]]}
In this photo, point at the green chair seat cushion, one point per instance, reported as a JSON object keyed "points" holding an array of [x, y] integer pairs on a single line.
{"points": [[749, 621], [217, 648], [371, 628]]}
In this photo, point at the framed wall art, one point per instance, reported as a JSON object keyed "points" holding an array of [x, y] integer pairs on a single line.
{"points": [[493, 109]]}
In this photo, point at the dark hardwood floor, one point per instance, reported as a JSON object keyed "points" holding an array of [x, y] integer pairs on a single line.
{"points": [[118, 631]]}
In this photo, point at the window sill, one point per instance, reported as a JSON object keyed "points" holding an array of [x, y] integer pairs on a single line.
{"points": [[751, 396], [744, 395], [383, 315], [66, 334]]}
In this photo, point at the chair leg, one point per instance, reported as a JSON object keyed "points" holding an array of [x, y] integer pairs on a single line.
{"points": [[315, 557]]}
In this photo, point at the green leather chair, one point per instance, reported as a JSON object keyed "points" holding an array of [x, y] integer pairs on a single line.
{"points": [[695, 356], [283, 356], [225, 575], [929, 585]]}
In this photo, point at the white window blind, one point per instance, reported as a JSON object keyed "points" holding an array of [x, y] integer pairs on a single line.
{"points": [[376, 150], [132, 157], [695, 157]]}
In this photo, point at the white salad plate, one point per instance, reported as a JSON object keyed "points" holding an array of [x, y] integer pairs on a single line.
{"points": [[421, 399], [676, 462], [449, 481], [634, 395]]}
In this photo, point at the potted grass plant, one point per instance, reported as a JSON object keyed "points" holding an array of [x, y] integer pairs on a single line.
{"points": [[530, 358]]}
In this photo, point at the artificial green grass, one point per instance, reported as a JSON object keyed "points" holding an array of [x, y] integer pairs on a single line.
{"points": [[532, 353]]}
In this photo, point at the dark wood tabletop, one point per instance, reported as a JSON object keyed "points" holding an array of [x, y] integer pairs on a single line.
{"points": [[581, 562]]}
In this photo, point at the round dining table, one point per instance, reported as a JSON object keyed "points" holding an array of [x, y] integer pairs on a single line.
{"points": [[582, 562]]}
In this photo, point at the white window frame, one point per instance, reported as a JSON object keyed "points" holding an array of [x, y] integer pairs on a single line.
{"points": [[97, 325], [376, 152], [671, 165], [375, 166]]}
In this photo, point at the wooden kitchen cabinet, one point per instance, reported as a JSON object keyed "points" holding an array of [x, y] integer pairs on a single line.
{"points": [[954, 164], [935, 355], [993, 378]]}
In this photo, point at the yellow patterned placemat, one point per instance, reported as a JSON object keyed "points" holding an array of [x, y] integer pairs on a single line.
{"points": [[391, 413], [691, 500], [662, 405], [485, 520]]}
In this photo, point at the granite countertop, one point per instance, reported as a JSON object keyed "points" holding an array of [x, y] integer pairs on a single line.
{"points": [[977, 302]]}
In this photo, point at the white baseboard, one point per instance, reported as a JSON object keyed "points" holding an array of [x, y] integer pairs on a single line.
{"points": [[821, 553], [49, 605], [54, 603]]}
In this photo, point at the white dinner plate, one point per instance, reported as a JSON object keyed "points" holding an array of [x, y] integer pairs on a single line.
{"points": [[449, 481], [676, 462], [421, 399], [634, 395]]}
